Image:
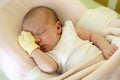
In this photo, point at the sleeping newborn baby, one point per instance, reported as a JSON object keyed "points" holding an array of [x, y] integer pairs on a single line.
{"points": [[57, 47]]}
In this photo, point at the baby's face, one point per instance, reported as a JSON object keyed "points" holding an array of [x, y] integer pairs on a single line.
{"points": [[46, 36]]}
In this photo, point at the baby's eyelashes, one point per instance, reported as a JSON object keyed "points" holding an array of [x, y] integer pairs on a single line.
{"points": [[39, 33]]}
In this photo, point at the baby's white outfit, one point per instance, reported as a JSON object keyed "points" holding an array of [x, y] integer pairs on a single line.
{"points": [[71, 50]]}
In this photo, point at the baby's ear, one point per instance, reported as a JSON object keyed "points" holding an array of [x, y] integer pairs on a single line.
{"points": [[58, 27]]}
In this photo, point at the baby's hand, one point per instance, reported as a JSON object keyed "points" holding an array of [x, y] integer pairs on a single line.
{"points": [[27, 42], [109, 50]]}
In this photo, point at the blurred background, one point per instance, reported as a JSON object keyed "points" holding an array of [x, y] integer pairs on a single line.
{"points": [[113, 4]]}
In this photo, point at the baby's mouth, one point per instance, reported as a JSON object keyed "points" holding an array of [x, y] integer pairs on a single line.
{"points": [[43, 47]]}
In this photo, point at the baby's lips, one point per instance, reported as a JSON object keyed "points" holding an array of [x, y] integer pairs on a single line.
{"points": [[43, 47]]}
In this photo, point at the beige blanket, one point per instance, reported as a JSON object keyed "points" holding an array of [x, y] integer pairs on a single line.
{"points": [[89, 70]]}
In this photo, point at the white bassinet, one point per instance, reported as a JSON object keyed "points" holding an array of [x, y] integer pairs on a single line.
{"points": [[16, 64]]}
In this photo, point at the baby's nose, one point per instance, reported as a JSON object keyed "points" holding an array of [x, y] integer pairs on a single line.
{"points": [[37, 40]]}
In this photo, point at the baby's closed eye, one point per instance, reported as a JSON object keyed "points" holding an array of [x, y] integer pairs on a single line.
{"points": [[40, 32]]}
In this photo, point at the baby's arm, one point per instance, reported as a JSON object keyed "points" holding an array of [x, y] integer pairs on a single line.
{"points": [[44, 62], [98, 40]]}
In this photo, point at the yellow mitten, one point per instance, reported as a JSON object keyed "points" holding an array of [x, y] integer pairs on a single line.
{"points": [[27, 42]]}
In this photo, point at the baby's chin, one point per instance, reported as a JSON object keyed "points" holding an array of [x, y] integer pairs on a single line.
{"points": [[45, 50]]}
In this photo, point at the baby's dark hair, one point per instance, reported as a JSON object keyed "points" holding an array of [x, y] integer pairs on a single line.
{"points": [[50, 14]]}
